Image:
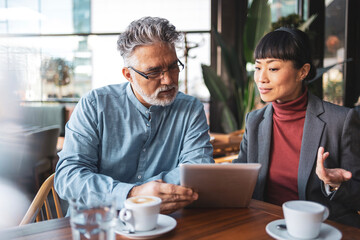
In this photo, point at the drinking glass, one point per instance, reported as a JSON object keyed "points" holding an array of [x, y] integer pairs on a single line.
{"points": [[94, 219]]}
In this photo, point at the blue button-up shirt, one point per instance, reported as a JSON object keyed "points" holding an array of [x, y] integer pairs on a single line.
{"points": [[113, 142]]}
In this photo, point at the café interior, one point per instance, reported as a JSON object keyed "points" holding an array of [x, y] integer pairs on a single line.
{"points": [[54, 52]]}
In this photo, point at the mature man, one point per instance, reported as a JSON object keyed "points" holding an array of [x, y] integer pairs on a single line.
{"points": [[128, 139]]}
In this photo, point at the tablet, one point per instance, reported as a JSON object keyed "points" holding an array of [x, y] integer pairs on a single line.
{"points": [[221, 185]]}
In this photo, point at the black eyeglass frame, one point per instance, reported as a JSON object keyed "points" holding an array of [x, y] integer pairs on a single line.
{"points": [[162, 72]]}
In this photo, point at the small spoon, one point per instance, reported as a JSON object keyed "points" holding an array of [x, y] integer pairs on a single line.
{"points": [[125, 228], [281, 227]]}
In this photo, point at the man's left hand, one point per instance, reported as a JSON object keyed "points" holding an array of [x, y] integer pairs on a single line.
{"points": [[173, 197]]}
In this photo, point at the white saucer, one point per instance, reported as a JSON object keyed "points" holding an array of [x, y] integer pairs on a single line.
{"points": [[327, 232], [165, 224]]}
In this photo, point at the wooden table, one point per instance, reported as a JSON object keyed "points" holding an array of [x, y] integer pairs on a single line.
{"points": [[235, 223]]}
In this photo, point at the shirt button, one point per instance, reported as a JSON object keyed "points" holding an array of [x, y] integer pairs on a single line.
{"points": [[139, 177], [148, 124], [147, 112], [144, 150]]}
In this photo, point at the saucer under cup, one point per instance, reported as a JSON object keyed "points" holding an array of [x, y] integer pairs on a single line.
{"points": [[327, 232]]}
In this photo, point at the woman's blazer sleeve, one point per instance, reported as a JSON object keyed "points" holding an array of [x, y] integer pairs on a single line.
{"points": [[349, 192]]}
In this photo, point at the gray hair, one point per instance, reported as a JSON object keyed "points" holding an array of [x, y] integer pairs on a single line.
{"points": [[146, 31]]}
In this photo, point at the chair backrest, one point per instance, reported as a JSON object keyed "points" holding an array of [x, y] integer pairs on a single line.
{"points": [[40, 208], [39, 148], [44, 115], [38, 156], [42, 142]]}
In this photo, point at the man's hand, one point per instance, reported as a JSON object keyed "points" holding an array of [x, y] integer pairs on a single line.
{"points": [[333, 177], [173, 196]]}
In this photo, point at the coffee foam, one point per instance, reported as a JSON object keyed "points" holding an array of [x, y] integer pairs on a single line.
{"points": [[141, 200]]}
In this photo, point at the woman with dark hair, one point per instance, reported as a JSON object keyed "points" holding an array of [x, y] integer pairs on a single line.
{"points": [[289, 135]]}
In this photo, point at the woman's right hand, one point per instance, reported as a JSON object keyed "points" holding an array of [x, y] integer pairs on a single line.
{"points": [[331, 176]]}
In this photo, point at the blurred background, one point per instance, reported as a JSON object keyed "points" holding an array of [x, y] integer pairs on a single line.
{"points": [[63, 49], [53, 52]]}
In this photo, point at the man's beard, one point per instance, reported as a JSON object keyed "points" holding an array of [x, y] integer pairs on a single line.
{"points": [[153, 98]]}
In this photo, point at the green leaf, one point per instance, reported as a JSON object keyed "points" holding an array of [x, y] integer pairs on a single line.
{"points": [[229, 56], [258, 23], [241, 105], [307, 23], [228, 121], [215, 85], [250, 100], [321, 71]]}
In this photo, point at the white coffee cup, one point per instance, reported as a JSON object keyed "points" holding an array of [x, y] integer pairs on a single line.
{"points": [[140, 213], [304, 218]]}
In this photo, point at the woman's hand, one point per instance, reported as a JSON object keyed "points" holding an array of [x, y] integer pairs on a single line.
{"points": [[331, 176]]}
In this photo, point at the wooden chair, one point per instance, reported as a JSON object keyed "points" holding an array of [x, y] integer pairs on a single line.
{"points": [[40, 207]]}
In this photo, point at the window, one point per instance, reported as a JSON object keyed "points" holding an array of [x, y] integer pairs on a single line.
{"points": [[60, 50], [334, 51], [282, 8]]}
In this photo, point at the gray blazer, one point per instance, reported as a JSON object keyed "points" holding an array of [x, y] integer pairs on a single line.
{"points": [[335, 128]]}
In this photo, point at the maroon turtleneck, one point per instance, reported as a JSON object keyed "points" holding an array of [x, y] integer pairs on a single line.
{"points": [[288, 125]]}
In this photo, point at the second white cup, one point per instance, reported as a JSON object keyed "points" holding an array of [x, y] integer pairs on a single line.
{"points": [[304, 218], [140, 213]]}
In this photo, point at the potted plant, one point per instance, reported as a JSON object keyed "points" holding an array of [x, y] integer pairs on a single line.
{"points": [[241, 89]]}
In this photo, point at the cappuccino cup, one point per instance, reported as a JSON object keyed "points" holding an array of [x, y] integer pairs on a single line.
{"points": [[304, 218], [140, 213]]}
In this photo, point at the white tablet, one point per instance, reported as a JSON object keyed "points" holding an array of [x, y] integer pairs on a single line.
{"points": [[221, 185]]}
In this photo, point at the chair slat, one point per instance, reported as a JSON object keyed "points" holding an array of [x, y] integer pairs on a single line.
{"points": [[47, 209], [35, 211], [57, 204]]}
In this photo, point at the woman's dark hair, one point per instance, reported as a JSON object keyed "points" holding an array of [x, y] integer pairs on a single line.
{"points": [[287, 44]]}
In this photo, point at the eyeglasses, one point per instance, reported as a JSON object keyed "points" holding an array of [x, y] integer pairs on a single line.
{"points": [[156, 75]]}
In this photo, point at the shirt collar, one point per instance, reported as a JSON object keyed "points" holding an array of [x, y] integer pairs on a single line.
{"points": [[144, 110]]}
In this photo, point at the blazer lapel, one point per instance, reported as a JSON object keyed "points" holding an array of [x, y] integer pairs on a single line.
{"points": [[264, 143], [313, 128]]}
